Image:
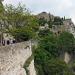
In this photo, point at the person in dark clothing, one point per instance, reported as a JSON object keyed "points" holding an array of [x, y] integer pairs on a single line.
{"points": [[8, 42]]}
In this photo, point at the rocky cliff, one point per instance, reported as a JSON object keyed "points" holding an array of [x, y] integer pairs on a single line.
{"points": [[13, 58]]}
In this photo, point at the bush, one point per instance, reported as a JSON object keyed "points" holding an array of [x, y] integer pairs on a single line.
{"points": [[22, 34]]}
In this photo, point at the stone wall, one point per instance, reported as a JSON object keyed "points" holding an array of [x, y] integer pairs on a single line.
{"points": [[13, 57]]}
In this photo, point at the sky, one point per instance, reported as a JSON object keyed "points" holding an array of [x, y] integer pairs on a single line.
{"points": [[56, 7]]}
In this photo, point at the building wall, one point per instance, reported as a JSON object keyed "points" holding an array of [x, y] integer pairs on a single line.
{"points": [[43, 15]]}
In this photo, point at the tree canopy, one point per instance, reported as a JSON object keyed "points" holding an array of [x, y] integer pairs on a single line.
{"points": [[47, 55], [21, 24]]}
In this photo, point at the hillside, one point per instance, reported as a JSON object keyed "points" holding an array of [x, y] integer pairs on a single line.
{"points": [[41, 44], [55, 23]]}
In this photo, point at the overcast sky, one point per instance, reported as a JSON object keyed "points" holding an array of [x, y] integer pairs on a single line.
{"points": [[56, 7]]}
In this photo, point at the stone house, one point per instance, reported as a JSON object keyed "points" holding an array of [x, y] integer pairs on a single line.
{"points": [[67, 26], [56, 29], [46, 16]]}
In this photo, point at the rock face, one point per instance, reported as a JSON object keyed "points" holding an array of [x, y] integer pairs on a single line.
{"points": [[31, 68], [13, 57], [67, 57], [46, 16]]}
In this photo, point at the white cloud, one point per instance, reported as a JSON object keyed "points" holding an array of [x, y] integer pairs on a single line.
{"points": [[10, 1], [72, 15], [64, 5], [57, 7]]}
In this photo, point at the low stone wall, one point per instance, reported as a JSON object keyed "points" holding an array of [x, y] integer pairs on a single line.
{"points": [[13, 57]]}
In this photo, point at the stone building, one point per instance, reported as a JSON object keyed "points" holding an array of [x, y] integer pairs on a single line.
{"points": [[56, 29], [69, 26], [46, 16]]}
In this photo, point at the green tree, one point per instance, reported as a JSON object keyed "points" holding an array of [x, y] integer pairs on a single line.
{"points": [[66, 41], [47, 55], [42, 21], [22, 34], [55, 67], [23, 24], [1, 8], [44, 33], [16, 15], [58, 21]]}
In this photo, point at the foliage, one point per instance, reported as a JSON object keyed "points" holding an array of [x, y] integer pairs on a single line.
{"points": [[1, 8], [26, 26], [47, 54], [42, 21], [43, 33], [66, 41], [32, 22], [27, 63], [23, 25], [49, 43], [55, 67], [16, 15], [58, 21], [50, 23], [22, 34]]}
